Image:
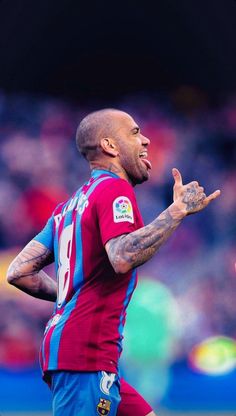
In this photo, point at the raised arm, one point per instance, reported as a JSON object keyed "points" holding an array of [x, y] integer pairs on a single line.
{"points": [[25, 272], [132, 250]]}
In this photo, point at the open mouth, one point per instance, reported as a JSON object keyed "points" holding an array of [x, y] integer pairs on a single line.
{"points": [[143, 156]]}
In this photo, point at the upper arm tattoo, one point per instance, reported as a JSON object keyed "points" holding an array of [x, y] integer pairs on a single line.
{"points": [[34, 257]]}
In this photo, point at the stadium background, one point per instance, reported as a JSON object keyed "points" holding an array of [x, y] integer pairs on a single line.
{"points": [[171, 65]]}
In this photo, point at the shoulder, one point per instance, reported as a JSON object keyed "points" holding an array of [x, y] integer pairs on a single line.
{"points": [[113, 188], [118, 198], [116, 184]]}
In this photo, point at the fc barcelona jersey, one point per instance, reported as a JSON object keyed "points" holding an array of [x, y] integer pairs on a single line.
{"points": [[85, 330]]}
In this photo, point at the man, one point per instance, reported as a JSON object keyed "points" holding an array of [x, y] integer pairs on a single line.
{"points": [[97, 239]]}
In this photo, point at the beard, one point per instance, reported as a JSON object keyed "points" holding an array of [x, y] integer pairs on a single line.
{"points": [[136, 171]]}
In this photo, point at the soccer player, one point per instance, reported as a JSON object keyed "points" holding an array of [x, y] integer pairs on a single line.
{"points": [[97, 239]]}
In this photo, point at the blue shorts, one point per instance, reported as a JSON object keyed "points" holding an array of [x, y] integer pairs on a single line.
{"points": [[85, 393]]}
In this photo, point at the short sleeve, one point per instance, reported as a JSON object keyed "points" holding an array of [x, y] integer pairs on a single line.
{"points": [[117, 210], [45, 236]]}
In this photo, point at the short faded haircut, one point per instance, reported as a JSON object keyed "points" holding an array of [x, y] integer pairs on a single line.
{"points": [[92, 129]]}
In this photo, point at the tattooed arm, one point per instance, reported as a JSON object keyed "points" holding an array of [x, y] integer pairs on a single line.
{"points": [[25, 272], [131, 250]]}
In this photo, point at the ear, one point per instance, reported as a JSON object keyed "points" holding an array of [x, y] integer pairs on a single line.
{"points": [[108, 146]]}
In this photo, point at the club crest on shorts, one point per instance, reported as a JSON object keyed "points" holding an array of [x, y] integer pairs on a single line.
{"points": [[103, 407], [123, 210]]}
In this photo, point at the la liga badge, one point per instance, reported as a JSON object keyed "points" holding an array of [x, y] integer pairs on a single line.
{"points": [[123, 210], [104, 407]]}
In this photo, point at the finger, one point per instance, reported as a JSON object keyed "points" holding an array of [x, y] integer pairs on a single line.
{"points": [[212, 196], [177, 177]]}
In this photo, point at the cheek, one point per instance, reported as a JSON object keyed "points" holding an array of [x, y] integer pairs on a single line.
{"points": [[131, 160], [127, 155]]}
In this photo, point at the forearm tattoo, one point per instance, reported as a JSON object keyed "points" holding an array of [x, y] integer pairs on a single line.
{"points": [[26, 274], [139, 246]]}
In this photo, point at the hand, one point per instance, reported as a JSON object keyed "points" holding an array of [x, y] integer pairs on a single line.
{"points": [[190, 198]]}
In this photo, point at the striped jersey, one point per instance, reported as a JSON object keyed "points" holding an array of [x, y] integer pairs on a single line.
{"points": [[85, 330]]}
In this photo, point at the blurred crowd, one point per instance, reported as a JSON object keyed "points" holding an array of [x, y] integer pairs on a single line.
{"points": [[40, 166]]}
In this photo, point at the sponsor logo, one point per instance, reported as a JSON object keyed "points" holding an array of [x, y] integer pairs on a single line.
{"points": [[104, 407], [122, 210]]}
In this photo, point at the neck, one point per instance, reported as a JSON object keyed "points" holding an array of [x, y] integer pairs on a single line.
{"points": [[110, 167]]}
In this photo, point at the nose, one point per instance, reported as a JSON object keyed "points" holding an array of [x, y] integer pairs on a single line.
{"points": [[145, 141]]}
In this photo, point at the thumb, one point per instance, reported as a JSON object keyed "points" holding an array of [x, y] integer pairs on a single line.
{"points": [[177, 177]]}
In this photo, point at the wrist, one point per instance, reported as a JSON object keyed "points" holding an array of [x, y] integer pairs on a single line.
{"points": [[177, 211]]}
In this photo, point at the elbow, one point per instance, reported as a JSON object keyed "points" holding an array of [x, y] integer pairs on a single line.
{"points": [[14, 280], [11, 277], [121, 267]]}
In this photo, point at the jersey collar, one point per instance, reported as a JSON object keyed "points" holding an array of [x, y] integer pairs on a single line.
{"points": [[98, 172]]}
